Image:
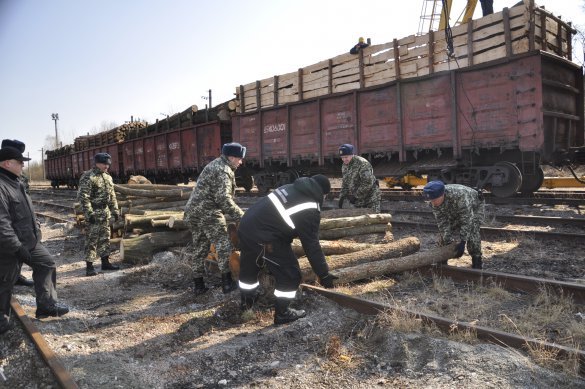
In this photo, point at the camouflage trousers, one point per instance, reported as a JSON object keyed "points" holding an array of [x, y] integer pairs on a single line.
{"points": [[474, 238], [97, 241], [371, 201], [205, 230]]}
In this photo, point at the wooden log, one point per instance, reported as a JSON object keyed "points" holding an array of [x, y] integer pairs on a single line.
{"points": [[177, 222], [181, 193], [339, 233], [162, 205], [399, 248], [139, 250], [332, 247], [393, 265], [363, 220], [132, 221], [166, 223]]}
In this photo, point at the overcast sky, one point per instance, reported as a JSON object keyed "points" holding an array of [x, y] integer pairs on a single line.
{"points": [[95, 62]]}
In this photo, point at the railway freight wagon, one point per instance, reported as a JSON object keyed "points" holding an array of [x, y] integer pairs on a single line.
{"points": [[508, 101], [177, 155], [487, 126], [58, 170]]}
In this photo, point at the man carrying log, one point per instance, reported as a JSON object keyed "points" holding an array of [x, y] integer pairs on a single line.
{"points": [[266, 233], [98, 201], [359, 185], [211, 199], [458, 207]]}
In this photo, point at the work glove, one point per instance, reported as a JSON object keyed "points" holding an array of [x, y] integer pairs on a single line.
{"points": [[91, 219], [23, 254], [460, 249], [327, 280], [341, 200], [351, 199]]}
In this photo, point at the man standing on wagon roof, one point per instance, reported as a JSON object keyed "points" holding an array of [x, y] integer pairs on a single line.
{"points": [[359, 185], [98, 201], [212, 199]]}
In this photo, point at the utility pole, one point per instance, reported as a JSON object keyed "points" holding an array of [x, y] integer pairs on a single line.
{"points": [[55, 117], [43, 162], [210, 106]]}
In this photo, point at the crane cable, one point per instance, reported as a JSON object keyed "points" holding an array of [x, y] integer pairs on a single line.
{"points": [[448, 32]]}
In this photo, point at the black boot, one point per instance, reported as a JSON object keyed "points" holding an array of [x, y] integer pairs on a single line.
{"points": [[21, 280], [283, 314], [52, 310], [476, 263], [227, 283], [89, 269], [200, 287], [106, 265], [248, 298]]}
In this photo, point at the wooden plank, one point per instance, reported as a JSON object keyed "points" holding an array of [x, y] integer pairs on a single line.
{"points": [[407, 40], [490, 55], [430, 47], [380, 80], [380, 57], [507, 33], [346, 87]]}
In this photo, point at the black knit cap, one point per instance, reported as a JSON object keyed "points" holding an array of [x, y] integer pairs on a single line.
{"points": [[18, 145], [323, 183], [233, 150]]}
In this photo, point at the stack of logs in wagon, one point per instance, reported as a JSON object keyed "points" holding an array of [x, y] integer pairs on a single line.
{"points": [[358, 245]]}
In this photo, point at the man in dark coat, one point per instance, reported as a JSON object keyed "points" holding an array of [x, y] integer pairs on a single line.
{"points": [[20, 242], [21, 280], [266, 232]]}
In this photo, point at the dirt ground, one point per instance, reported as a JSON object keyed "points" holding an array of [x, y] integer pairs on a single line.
{"points": [[142, 327]]}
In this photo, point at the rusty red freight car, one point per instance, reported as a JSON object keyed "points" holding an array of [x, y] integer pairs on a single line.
{"points": [[176, 155], [488, 126]]}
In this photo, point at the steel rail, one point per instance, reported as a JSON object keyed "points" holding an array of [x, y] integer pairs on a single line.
{"points": [[498, 231], [449, 326], [513, 282], [55, 218], [505, 218], [53, 362]]}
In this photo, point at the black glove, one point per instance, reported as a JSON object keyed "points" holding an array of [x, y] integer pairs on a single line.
{"points": [[23, 254], [91, 219], [460, 249], [327, 280], [341, 200], [351, 199]]}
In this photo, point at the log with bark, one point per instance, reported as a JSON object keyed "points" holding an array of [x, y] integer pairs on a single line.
{"points": [[394, 265], [181, 193], [379, 252], [332, 247], [139, 250], [338, 233], [363, 220], [174, 205], [133, 221]]}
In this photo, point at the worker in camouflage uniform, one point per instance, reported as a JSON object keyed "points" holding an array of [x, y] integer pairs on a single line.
{"points": [[212, 198], [98, 201], [359, 186], [20, 146], [458, 207]]}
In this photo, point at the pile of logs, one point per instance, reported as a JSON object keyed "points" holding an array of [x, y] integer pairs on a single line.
{"points": [[115, 135], [153, 221]]}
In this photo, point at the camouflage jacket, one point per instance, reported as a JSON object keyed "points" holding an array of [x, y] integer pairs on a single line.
{"points": [[461, 209], [96, 194], [358, 178], [214, 191]]}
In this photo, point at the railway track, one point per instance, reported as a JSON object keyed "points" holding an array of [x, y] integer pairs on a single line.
{"points": [[448, 326]]}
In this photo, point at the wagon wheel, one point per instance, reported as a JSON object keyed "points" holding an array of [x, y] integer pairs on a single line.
{"points": [[261, 184], [509, 188], [532, 182]]}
